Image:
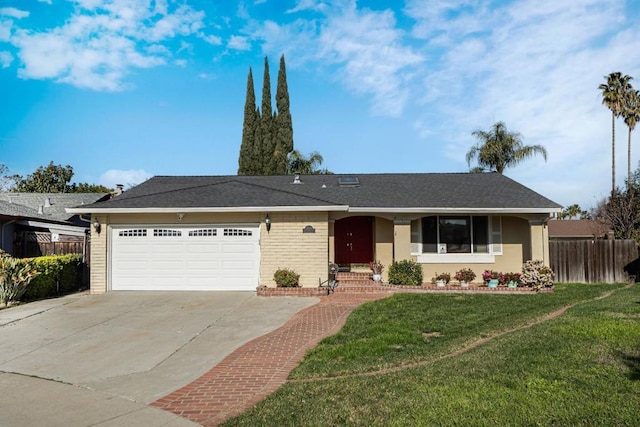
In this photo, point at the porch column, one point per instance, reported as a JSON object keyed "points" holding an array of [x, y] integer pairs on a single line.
{"points": [[332, 241], [539, 240], [401, 239]]}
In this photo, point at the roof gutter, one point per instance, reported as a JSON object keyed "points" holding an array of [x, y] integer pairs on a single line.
{"points": [[457, 210], [96, 210]]}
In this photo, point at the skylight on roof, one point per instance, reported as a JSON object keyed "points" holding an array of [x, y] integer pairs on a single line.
{"points": [[348, 181]]}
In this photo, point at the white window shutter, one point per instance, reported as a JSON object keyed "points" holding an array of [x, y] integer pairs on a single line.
{"points": [[496, 235]]}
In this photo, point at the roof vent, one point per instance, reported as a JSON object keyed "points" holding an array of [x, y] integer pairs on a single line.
{"points": [[119, 190], [296, 179], [348, 181], [40, 210], [47, 202]]}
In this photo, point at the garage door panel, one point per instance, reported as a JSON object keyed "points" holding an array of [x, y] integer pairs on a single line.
{"points": [[185, 258]]}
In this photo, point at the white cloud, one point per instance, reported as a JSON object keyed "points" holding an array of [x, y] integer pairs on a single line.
{"points": [[45, 1], [99, 44], [128, 178], [239, 43], [211, 39], [535, 66], [5, 30], [364, 47], [5, 59], [207, 76], [304, 5], [13, 12]]}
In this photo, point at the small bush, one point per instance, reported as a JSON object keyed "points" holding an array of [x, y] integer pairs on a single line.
{"points": [[465, 275], [536, 274], [405, 272], [15, 275], [57, 275], [445, 277], [286, 278]]}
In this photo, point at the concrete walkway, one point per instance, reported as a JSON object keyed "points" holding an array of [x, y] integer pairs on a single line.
{"points": [[259, 367], [101, 359]]}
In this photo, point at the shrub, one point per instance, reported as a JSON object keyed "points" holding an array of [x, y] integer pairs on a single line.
{"points": [[286, 278], [445, 277], [536, 274], [15, 275], [465, 275], [57, 275], [405, 272], [510, 277]]}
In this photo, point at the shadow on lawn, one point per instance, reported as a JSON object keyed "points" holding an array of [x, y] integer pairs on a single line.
{"points": [[633, 362]]}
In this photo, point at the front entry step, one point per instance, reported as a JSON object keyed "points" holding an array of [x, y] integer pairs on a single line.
{"points": [[354, 279]]}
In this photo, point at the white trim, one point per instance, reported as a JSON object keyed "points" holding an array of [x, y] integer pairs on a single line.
{"points": [[455, 258], [70, 230], [435, 210], [210, 209]]}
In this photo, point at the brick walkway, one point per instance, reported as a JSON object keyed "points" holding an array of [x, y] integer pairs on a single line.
{"points": [[259, 367]]}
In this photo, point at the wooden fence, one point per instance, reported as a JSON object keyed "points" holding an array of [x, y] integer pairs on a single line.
{"points": [[27, 244], [594, 261]]}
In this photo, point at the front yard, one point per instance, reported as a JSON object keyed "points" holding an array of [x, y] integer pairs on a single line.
{"points": [[425, 359]]}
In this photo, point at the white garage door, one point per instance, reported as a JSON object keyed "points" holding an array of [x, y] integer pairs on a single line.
{"points": [[189, 258]]}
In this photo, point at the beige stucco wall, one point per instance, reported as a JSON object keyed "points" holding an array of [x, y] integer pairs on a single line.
{"points": [[286, 246], [383, 238]]}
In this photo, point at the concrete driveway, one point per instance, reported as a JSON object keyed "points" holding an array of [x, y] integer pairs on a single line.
{"points": [[100, 359]]}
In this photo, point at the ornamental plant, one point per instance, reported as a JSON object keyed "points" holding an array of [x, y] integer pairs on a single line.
{"points": [[376, 267], [510, 277], [537, 275], [489, 275], [445, 277], [15, 275], [405, 272], [286, 278], [465, 275]]}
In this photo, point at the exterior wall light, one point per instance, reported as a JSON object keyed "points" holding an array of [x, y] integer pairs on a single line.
{"points": [[267, 223], [96, 226]]}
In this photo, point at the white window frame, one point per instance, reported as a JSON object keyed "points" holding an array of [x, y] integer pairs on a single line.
{"points": [[494, 245]]}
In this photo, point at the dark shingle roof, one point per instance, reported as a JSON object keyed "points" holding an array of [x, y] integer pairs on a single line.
{"points": [[402, 191], [577, 228], [27, 204]]}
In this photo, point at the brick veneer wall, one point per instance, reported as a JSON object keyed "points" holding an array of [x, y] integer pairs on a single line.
{"points": [[286, 246]]}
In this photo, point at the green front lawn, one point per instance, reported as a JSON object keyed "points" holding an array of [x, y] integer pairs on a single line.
{"points": [[582, 368]]}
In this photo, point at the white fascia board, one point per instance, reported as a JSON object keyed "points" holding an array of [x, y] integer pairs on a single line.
{"points": [[56, 228], [547, 211], [333, 208]]}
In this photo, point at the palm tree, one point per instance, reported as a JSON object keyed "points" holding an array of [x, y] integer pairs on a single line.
{"points": [[498, 148], [298, 163], [631, 114], [613, 93]]}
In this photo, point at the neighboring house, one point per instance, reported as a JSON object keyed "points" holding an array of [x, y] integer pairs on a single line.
{"points": [[578, 229], [41, 216], [233, 232]]}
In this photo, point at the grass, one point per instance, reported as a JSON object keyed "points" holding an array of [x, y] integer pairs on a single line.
{"points": [[582, 368]]}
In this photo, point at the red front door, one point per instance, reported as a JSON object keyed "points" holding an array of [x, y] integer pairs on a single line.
{"points": [[354, 240]]}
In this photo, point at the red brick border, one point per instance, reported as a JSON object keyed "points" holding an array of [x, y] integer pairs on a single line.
{"points": [[259, 367]]}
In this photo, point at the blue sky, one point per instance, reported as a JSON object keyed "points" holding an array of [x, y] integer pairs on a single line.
{"points": [[126, 89]]}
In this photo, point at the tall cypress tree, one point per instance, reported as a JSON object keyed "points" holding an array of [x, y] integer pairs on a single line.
{"points": [[284, 126], [267, 142], [267, 135], [247, 159]]}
